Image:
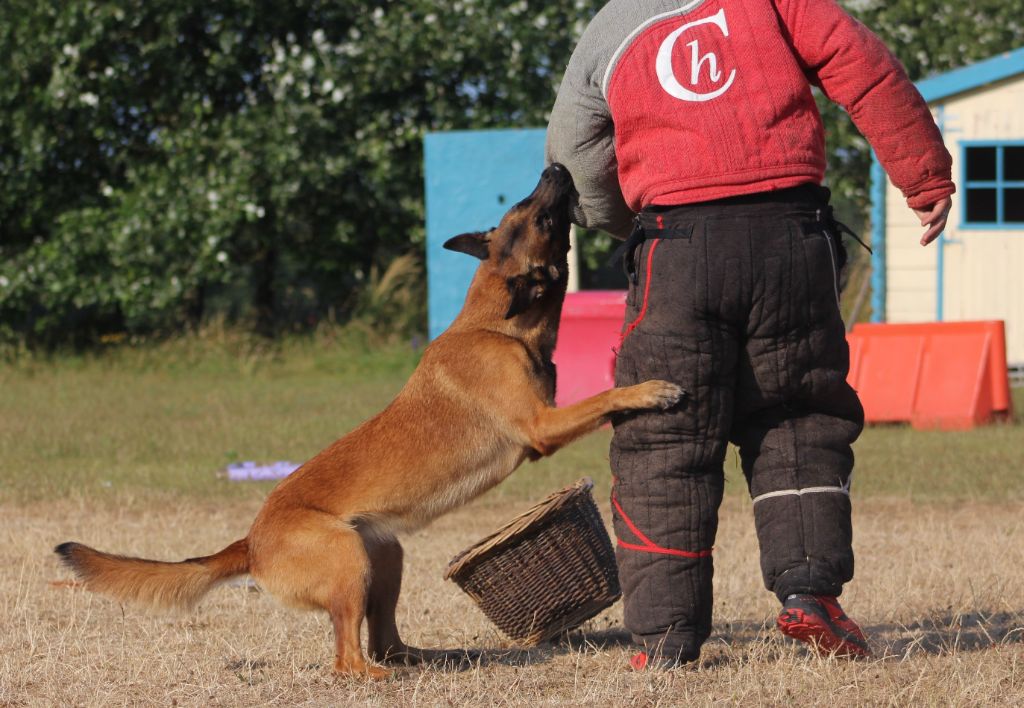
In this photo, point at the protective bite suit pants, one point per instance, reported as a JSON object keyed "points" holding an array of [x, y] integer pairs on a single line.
{"points": [[737, 302]]}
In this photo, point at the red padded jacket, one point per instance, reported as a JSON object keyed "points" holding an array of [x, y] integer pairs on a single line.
{"points": [[665, 103]]}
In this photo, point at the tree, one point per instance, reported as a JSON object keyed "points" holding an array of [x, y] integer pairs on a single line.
{"points": [[156, 155], [153, 150]]}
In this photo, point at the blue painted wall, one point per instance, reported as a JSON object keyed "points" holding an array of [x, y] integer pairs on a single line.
{"points": [[879, 274], [472, 178]]}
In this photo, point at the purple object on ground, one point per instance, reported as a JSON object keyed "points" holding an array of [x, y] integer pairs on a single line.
{"points": [[250, 471]]}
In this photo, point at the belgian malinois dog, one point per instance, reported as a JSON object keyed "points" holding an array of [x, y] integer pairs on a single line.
{"points": [[479, 404]]}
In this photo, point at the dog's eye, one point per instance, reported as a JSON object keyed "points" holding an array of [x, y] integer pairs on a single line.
{"points": [[546, 221]]}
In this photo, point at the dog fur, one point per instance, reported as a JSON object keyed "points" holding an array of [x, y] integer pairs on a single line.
{"points": [[479, 404]]}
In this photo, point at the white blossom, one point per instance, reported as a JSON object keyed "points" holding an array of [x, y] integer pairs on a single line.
{"points": [[89, 99], [254, 210]]}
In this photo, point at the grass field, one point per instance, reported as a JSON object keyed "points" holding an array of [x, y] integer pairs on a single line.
{"points": [[122, 451]]}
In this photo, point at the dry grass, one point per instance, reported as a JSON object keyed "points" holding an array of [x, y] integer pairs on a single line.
{"points": [[119, 451], [940, 590]]}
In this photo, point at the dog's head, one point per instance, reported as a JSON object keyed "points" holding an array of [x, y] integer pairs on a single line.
{"points": [[529, 247]]}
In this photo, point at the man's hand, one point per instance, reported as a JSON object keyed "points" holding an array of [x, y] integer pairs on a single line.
{"points": [[934, 217]]}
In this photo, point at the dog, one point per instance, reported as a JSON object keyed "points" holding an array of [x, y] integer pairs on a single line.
{"points": [[478, 405]]}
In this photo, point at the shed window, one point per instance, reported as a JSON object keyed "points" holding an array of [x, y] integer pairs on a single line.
{"points": [[994, 185]]}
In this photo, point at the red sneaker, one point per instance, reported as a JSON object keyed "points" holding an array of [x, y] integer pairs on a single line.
{"points": [[641, 662], [638, 662], [821, 622]]}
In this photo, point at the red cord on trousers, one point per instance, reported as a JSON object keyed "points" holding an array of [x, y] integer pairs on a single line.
{"points": [[647, 290], [650, 546]]}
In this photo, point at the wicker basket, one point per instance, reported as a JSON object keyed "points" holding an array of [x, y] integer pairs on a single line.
{"points": [[546, 571]]}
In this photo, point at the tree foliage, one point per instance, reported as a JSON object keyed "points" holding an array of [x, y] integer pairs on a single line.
{"points": [[160, 155], [153, 152]]}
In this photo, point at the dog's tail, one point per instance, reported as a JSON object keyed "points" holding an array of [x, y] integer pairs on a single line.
{"points": [[154, 583]]}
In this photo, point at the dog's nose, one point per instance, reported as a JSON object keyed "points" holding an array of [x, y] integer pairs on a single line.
{"points": [[558, 174]]}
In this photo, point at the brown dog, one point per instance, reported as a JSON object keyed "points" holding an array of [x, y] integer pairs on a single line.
{"points": [[477, 406]]}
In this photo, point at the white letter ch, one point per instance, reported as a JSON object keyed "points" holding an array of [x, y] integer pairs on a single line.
{"points": [[667, 77]]}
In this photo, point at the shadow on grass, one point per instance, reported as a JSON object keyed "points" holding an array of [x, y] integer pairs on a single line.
{"points": [[572, 642], [935, 634], [949, 633], [939, 634]]}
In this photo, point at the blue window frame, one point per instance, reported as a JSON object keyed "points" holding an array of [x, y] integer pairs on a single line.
{"points": [[993, 183]]}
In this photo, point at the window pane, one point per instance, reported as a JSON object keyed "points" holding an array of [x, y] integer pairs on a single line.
{"points": [[981, 205], [981, 163], [1013, 163], [1013, 206]]}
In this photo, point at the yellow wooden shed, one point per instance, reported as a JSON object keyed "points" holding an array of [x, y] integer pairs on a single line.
{"points": [[975, 271]]}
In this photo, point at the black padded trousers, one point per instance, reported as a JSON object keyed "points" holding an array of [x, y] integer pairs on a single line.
{"points": [[737, 302]]}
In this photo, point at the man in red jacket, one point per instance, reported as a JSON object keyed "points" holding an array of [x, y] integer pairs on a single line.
{"points": [[691, 128]]}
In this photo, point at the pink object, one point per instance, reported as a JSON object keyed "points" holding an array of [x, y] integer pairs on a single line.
{"points": [[588, 339]]}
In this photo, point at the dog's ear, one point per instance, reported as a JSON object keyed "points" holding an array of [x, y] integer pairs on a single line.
{"points": [[524, 292], [474, 244]]}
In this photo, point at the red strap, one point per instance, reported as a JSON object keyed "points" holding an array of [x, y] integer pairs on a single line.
{"points": [[647, 289], [650, 546]]}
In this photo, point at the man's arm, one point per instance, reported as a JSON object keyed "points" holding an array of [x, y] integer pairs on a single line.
{"points": [[856, 70], [581, 137]]}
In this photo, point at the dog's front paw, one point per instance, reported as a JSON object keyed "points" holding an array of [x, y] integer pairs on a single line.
{"points": [[659, 394]]}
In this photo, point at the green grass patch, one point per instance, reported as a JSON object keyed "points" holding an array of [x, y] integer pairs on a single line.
{"points": [[165, 418], [161, 421]]}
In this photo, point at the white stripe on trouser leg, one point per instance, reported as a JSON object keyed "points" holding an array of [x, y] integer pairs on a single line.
{"points": [[845, 489]]}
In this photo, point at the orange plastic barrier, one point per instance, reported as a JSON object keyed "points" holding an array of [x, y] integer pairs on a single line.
{"points": [[949, 375]]}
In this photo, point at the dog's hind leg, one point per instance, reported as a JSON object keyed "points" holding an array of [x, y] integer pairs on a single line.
{"points": [[346, 603], [314, 560], [384, 644]]}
